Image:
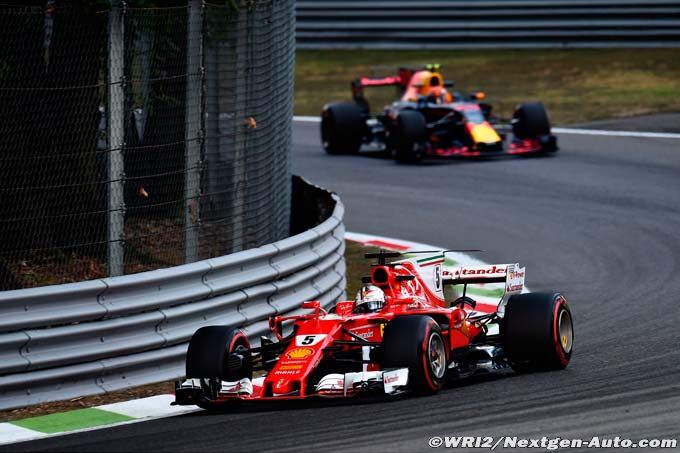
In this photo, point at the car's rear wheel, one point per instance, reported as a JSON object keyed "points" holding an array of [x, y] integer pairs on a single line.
{"points": [[416, 343], [216, 354], [538, 332], [342, 128], [409, 136], [530, 120]]}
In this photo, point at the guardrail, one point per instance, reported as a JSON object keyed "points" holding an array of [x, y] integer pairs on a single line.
{"points": [[79, 339], [407, 24]]}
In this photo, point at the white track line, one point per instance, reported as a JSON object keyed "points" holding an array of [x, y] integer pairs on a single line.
{"points": [[559, 130], [11, 434], [141, 410], [567, 130], [153, 406], [307, 119]]}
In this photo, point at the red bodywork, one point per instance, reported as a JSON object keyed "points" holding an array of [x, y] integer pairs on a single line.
{"points": [[328, 333]]}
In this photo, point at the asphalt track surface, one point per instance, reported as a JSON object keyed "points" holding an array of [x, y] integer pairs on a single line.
{"points": [[600, 222]]}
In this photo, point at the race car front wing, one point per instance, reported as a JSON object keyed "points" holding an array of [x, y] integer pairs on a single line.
{"points": [[391, 382]]}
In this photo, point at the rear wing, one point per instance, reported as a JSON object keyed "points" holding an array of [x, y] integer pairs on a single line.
{"points": [[494, 273], [400, 81], [512, 275], [379, 82]]}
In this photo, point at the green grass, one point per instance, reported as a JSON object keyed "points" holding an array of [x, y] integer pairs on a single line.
{"points": [[575, 85], [72, 420]]}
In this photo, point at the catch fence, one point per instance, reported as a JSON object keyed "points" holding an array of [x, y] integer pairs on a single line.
{"points": [[134, 138]]}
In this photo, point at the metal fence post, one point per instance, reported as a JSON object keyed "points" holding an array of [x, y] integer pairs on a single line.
{"points": [[241, 101], [116, 138], [193, 130]]}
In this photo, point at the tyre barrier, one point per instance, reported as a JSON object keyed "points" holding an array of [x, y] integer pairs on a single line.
{"points": [[65, 341]]}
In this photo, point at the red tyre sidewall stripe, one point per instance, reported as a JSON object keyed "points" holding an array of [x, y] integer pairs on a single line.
{"points": [[426, 365], [561, 354], [235, 339]]}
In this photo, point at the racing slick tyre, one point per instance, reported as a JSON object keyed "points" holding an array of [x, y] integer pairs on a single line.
{"points": [[416, 343], [409, 137], [530, 120], [537, 332], [215, 354], [342, 128]]}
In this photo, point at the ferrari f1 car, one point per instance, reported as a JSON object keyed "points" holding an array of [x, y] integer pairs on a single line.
{"points": [[428, 120], [399, 335]]}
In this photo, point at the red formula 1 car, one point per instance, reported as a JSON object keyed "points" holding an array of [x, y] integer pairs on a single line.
{"points": [[428, 120], [399, 335]]}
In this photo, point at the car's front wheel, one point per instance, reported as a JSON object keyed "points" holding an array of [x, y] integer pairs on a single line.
{"points": [[342, 128], [409, 137], [216, 354], [416, 343], [530, 120]]}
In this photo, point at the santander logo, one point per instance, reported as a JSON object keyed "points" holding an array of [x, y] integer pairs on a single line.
{"points": [[484, 271], [391, 379]]}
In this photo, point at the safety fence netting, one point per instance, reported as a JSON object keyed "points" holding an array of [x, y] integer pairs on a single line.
{"points": [[137, 136]]}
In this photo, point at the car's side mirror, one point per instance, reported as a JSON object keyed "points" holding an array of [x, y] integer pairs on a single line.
{"points": [[311, 305]]}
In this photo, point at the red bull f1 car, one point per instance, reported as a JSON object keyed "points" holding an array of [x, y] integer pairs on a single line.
{"points": [[429, 120], [399, 335]]}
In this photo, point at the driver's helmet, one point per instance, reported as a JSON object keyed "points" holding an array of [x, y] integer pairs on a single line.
{"points": [[370, 298]]}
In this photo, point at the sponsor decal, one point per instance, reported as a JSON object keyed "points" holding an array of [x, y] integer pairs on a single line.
{"points": [[343, 308], [364, 332], [483, 270], [299, 353], [391, 379], [515, 279], [516, 274], [309, 340], [290, 367], [284, 372], [291, 361]]}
